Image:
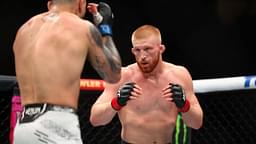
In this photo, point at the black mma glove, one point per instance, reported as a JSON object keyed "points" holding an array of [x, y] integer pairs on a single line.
{"points": [[179, 97], [104, 19], [123, 95]]}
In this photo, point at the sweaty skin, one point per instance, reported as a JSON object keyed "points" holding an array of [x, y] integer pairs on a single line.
{"points": [[149, 117], [155, 119], [50, 51]]}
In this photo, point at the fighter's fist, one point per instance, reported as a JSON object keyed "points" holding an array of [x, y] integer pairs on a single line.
{"points": [[123, 95], [179, 97], [102, 17]]}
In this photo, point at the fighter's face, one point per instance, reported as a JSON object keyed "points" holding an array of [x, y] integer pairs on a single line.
{"points": [[147, 55]]}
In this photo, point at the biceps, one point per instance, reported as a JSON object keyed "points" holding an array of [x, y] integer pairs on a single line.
{"points": [[105, 97]]}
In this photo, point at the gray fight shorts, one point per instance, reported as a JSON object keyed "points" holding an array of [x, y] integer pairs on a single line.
{"points": [[47, 124]]}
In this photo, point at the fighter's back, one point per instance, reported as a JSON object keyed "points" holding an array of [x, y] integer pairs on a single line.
{"points": [[50, 51]]}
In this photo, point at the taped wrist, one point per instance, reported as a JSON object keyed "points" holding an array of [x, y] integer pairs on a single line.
{"points": [[97, 18], [185, 108], [115, 105]]}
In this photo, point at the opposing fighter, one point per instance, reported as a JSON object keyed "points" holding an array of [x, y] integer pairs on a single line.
{"points": [[149, 95], [50, 50]]}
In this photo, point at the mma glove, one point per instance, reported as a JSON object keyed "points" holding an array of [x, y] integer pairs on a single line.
{"points": [[123, 95], [179, 98], [104, 19]]}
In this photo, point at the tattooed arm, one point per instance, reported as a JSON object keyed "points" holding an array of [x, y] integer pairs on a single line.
{"points": [[104, 56]]}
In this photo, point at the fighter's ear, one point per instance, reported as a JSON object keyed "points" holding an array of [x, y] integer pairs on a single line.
{"points": [[132, 50], [49, 4], [162, 48], [81, 7]]}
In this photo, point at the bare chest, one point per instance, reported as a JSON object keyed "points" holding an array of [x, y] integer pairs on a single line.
{"points": [[151, 99]]}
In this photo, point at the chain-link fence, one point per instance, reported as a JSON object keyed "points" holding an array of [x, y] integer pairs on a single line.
{"points": [[5, 111], [108, 134], [229, 117]]}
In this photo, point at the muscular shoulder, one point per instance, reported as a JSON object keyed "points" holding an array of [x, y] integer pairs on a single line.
{"points": [[76, 24], [82, 29], [28, 23], [84, 23], [25, 28], [177, 70], [65, 21], [128, 71]]}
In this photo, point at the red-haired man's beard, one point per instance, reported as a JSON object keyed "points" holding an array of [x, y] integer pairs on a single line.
{"points": [[148, 66]]}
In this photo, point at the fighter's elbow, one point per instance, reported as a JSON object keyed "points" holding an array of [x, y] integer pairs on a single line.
{"points": [[96, 122], [113, 78], [114, 75], [197, 125]]}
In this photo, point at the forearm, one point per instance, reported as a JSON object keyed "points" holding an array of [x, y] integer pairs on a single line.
{"points": [[103, 20], [194, 117], [101, 114], [112, 62], [112, 55]]}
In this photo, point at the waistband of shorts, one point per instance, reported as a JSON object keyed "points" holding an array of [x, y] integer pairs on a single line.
{"points": [[43, 107]]}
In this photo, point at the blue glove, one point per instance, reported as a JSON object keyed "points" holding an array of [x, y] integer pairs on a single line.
{"points": [[104, 19]]}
